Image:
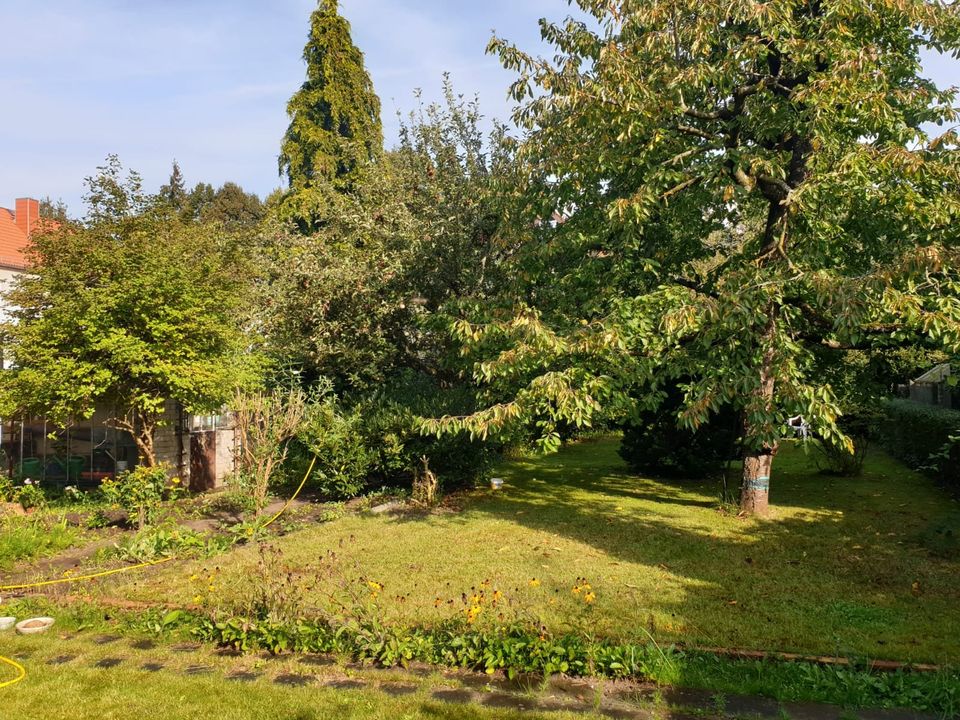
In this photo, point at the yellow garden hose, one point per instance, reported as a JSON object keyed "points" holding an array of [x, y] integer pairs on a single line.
{"points": [[22, 673], [78, 578], [294, 496]]}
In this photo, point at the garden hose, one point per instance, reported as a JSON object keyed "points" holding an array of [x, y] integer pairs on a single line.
{"points": [[78, 578], [21, 671], [297, 492]]}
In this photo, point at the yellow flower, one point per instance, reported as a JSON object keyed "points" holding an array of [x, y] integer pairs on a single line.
{"points": [[194, 577], [589, 597], [197, 599], [534, 582]]}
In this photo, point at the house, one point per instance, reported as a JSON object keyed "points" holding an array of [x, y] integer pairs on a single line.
{"points": [[199, 449]]}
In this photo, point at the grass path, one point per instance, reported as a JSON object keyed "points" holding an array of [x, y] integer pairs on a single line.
{"points": [[843, 567]]}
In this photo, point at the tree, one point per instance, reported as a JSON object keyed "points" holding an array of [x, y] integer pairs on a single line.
{"points": [[335, 132], [128, 309], [174, 193], [738, 185], [352, 301]]}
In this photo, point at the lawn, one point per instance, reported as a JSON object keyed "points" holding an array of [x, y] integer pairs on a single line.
{"points": [[64, 682], [842, 568]]}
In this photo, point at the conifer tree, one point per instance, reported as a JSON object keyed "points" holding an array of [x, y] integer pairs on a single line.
{"points": [[174, 193], [335, 131]]}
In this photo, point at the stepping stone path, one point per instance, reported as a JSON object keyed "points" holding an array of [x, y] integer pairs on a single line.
{"points": [[198, 670], [293, 680], [612, 699], [61, 659], [105, 639], [244, 676]]}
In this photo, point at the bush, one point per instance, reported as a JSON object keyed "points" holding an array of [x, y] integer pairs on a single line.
{"points": [[335, 437], [924, 437], [861, 426], [141, 491], [391, 427], [653, 443]]}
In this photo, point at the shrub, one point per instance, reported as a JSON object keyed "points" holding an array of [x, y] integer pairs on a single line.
{"points": [[265, 424], [390, 425], [141, 491], [653, 442], [29, 495], [923, 437], [861, 425], [335, 437]]}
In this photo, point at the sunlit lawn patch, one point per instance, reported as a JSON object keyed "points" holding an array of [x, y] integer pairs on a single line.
{"points": [[841, 568]]}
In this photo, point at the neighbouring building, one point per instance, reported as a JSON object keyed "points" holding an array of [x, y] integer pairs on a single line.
{"points": [[200, 449]]}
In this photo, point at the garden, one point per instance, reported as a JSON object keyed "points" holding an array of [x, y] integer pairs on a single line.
{"points": [[639, 406]]}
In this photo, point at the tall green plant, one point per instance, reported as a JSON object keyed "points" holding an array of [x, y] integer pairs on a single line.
{"points": [[335, 131]]}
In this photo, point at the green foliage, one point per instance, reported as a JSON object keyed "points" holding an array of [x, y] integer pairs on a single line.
{"points": [[29, 538], [924, 437], [335, 437], [155, 543], [131, 309], [367, 294], [30, 495], [652, 442], [141, 492], [335, 132], [733, 188], [391, 427], [520, 650]]}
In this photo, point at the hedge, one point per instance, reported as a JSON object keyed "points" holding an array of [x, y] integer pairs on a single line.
{"points": [[921, 436]]}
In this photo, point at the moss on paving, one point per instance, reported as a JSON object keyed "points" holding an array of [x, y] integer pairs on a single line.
{"points": [[840, 569]]}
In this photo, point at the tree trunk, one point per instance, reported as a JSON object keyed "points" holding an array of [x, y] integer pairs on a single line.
{"points": [[758, 457], [755, 492]]}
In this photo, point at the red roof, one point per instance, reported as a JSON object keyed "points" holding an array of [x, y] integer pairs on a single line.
{"points": [[13, 241]]}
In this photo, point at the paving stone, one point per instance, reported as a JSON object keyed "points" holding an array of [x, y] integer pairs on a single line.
{"points": [[346, 684], [108, 663], [398, 690], [811, 711], [505, 701], [152, 667], [318, 660], [105, 639], [292, 680], [453, 696], [143, 645], [749, 706], [624, 714], [185, 648], [244, 676], [197, 670], [61, 659], [894, 715], [228, 652]]}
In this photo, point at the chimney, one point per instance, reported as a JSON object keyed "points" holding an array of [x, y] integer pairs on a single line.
{"points": [[27, 215]]}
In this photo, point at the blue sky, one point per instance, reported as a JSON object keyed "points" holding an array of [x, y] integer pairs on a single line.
{"points": [[206, 81]]}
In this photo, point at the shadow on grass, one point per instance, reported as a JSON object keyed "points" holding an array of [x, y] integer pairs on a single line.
{"points": [[837, 565]]}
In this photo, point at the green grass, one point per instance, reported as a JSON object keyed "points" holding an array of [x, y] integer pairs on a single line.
{"points": [[841, 568], [75, 690], [28, 539]]}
